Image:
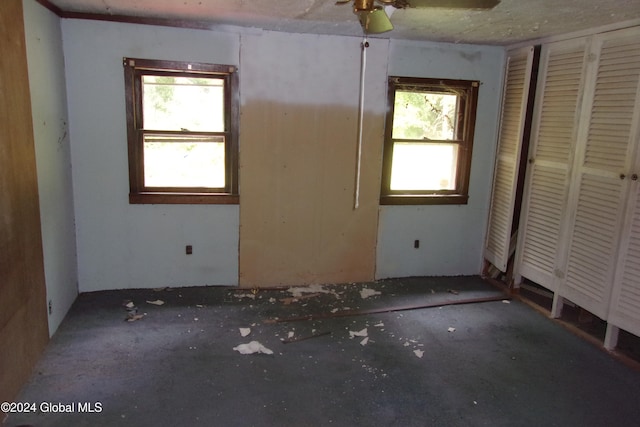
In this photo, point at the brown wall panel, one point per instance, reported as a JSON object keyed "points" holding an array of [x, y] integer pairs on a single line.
{"points": [[297, 176], [23, 318]]}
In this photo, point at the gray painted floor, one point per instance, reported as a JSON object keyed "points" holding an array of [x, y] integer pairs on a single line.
{"points": [[503, 365]]}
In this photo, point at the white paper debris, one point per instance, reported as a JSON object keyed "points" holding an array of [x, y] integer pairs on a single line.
{"points": [[311, 289], [418, 353], [334, 310], [379, 325], [366, 293], [364, 341], [451, 329], [134, 317], [406, 344], [130, 304], [156, 302], [245, 331], [251, 348], [199, 305], [362, 333], [506, 301], [250, 296], [290, 334]]}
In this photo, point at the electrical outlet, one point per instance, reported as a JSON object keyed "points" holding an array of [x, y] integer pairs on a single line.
{"points": [[416, 244], [189, 249]]}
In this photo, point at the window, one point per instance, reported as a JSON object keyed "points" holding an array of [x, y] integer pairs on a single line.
{"points": [[182, 127], [428, 141]]}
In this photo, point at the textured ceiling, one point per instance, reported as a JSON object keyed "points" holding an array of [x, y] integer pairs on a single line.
{"points": [[511, 21]]}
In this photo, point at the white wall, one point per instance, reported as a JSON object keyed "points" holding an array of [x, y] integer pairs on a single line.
{"points": [[451, 236], [136, 246], [49, 108]]}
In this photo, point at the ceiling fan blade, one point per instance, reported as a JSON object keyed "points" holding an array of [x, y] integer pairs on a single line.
{"points": [[454, 4], [375, 21]]}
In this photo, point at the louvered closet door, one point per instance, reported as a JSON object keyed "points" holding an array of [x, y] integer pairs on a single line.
{"points": [[514, 103], [624, 311], [603, 163], [543, 218]]}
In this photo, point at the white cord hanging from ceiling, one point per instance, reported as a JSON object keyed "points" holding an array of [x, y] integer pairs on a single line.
{"points": [[363, 67]]}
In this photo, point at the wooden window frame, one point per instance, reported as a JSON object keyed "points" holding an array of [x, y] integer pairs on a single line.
{"points": [[468, 92], [134, 69]]}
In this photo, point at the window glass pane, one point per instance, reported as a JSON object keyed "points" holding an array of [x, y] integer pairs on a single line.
{"points": [[189, 161], [183, 103], [424, 115], [421, 166]]}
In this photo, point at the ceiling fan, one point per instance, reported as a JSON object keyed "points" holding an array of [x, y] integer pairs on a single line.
{"points": [[374, 14]]}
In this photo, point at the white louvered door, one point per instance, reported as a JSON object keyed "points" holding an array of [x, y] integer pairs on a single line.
{"points": [[603, 163], [624, 311], [553, 136], [514, 103]]}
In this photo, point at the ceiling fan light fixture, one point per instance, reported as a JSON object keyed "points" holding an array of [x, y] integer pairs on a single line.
{"points": [[363, 6], [374, 21]]}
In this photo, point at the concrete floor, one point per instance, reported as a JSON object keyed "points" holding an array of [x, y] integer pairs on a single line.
{"points": [[504, 364]]}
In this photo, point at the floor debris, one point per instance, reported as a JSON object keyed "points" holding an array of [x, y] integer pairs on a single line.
{"points": [[451, 329], [250, 296], [506, 301], [311, 289], [361, 333], [418, 353], [453, 291], [251, 348], [302, 338], [156, 302], [289, 300], [364, 341], [346, 311], [366, 293], [132, 317], [245, 331]]}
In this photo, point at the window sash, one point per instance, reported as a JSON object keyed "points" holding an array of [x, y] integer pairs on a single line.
{"points": [[178, 138], [139, 192], [451, 174]]}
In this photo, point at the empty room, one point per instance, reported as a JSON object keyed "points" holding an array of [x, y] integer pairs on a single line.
{"points": [[395, 213]]}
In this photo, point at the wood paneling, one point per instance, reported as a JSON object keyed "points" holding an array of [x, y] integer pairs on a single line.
{"points": [[23, 315], [297, 175]]}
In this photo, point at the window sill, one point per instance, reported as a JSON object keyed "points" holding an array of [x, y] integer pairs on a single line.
{"points": [[184, 199], [422, 199]]}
